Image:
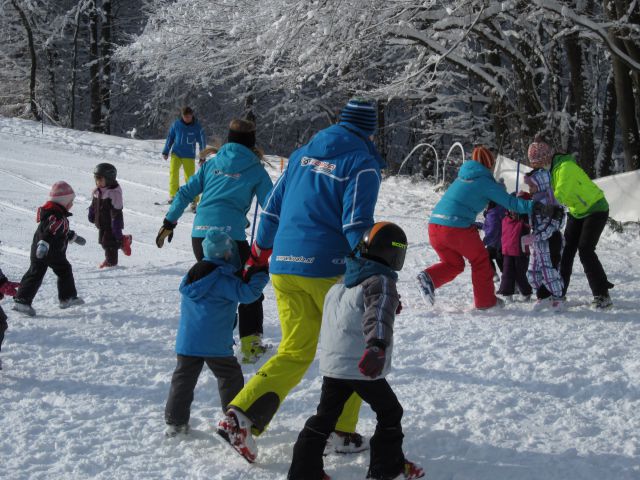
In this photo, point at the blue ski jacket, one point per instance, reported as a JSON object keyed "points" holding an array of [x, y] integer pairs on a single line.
{"points": [[183, 137], [228, 182], [470, 193], [208, 310], [322, 204]]}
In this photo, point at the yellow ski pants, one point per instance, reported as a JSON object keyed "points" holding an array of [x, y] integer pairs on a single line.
{"points": [[189, 167], [300, 301]]}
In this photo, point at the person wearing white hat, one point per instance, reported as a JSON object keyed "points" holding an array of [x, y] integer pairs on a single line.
{"points": [[49, 250]]}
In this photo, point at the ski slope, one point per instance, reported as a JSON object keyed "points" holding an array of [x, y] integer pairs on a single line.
{"points": [[487, 396]]}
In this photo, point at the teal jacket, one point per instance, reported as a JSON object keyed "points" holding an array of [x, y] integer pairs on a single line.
{"points": [[227, 182], [470, 193]]}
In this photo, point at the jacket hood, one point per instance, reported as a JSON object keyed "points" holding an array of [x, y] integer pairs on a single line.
{"points": [[49, 205], [471, 170], [201, 287], [359, 269], [339, 140], [561, 158], [234, 158]]}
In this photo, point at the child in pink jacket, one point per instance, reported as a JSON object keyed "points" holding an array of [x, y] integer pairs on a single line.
{"points": [[515, 258]]}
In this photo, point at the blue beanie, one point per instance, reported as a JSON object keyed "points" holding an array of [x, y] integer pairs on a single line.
{"points": [[217, 244], [360, 113]]}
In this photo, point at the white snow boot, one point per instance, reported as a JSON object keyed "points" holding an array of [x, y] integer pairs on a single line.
{"points": [[174, 430], [70, 302], [24, 308]]}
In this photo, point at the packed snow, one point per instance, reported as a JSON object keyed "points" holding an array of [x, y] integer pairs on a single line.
{"points": [[510, 394]]}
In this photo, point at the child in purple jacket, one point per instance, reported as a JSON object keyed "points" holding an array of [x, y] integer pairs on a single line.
{"points": [[515, 258], [543, 272], [492, 228]]}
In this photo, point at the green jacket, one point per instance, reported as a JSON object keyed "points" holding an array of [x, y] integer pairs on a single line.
{"points": [[574, 189]]}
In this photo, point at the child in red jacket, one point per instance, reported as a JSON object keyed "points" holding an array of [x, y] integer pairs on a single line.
{"points": [[49, 250]]}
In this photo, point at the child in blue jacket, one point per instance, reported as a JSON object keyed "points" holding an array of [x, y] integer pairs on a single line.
{"points": [[210, 292]]}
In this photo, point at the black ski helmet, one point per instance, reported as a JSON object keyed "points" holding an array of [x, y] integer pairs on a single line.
{"points": [[107, 171], [385, 242]]}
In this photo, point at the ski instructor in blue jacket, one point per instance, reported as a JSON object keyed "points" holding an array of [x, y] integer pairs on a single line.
{"points": [[228, 182], [315, 216], [181, 142]]}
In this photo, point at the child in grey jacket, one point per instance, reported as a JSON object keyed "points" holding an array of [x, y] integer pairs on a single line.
{"points": [[356, 343]]}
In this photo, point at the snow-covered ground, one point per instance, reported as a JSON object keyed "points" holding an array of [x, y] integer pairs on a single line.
{"points": [[487, 396]]}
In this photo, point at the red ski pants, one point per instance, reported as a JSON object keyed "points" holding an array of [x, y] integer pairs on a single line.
{"points": [[453, 245]]}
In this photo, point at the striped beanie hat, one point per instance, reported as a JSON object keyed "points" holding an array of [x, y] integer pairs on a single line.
{"points": [[62, 194], [360, 113], [483, 156], [540, 154]]}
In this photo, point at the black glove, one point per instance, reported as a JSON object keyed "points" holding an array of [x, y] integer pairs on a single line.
{"points": [[75, 238], [166, 231], [372, 361], [252, 270], [549, 211]]}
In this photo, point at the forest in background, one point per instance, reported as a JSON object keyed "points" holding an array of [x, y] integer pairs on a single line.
{"points": [[472, 71]]}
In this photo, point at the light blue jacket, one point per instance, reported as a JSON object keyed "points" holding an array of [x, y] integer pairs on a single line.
{"points": [[208, 310], [228, 182], [322, 204], [470, 193], [182, 139]]}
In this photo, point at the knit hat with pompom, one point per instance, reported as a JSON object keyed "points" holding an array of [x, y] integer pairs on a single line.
{"points": [[62, 194]]}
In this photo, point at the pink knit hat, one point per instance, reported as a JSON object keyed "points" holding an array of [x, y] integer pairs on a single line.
{"points": [[62, 194], [540, 154]]}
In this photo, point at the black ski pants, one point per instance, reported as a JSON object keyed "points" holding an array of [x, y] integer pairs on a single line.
{"points": [[3, 325], [386, 456], [581, 235], [250, 315], [31, 281], [109, 244], [185, 377], [496, 258], [514, 272]]}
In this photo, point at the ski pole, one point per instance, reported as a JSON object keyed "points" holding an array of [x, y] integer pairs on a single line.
{"points": [[517, 175], [253, 224]]}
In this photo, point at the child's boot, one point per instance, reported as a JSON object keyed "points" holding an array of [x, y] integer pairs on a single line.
{"points": [[252, 348], [412, 470], [106, 264], [126, 244], [601, 302], [24, 308], [70, 302], [174, 430]]}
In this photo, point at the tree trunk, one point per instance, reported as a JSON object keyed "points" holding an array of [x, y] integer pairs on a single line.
{"points": [[605, 159], [74, 72], [106, 52], [625, 101], [51, 58], [95, 121], [581, 105], [34, 63]]}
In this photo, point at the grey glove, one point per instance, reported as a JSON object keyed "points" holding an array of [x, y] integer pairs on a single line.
{"points": [[42, 249], [78, 239]]}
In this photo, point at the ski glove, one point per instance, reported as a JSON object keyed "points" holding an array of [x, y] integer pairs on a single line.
{"points": [[75, 238], [399, 307], [259, 258], [549, 211], [372, 361], [9, 288], [166, 231], [42, 249]]}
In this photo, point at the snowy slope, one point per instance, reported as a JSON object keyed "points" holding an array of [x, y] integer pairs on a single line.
{"points": [[491, 396]]}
